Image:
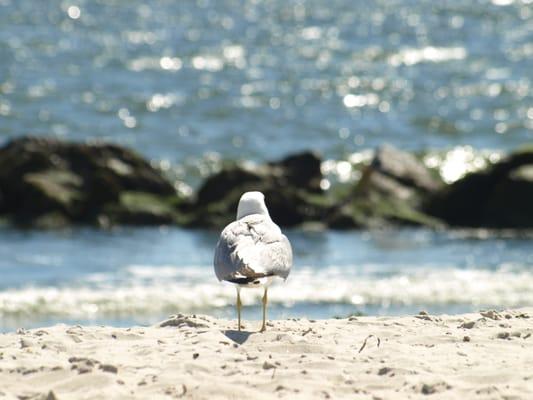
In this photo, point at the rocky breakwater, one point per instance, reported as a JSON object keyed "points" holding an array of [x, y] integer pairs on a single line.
{"points": [[393, 190], [291, 186], [50, 183]]}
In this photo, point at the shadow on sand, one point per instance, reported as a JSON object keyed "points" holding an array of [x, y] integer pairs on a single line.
{"points": [[239, 337]]}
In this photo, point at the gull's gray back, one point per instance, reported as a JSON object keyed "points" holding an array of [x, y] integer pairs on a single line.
{"points": [[250, 247]]}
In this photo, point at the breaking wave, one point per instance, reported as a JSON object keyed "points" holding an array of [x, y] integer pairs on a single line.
{"points": [[145, 290]]}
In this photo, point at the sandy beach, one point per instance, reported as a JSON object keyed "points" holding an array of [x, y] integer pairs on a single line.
{"points": [[486, 355]]}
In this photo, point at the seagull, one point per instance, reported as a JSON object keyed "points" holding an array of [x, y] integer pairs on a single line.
{"points": [[252, 252]]}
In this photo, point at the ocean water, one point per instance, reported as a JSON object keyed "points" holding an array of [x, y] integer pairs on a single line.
{"points": [[127, 276], [190, 84]]}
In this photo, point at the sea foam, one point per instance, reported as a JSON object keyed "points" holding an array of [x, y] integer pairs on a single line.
{"points": [[144, 290]]}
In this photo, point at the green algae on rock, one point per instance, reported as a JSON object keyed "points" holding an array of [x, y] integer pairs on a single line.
{"points": [[46, 182]]}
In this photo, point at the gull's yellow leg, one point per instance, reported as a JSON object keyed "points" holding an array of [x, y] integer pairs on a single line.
{"points": [[265, 300], [239, 304]]}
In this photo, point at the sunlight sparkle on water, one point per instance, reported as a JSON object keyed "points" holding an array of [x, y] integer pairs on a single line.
{"points": [[208, 63], [502, 3], [352, 100], [170, 63], [163, 101], [427, 54], [74, 12], [456, 163]]}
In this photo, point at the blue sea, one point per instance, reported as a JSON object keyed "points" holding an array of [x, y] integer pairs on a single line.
{"points": [[191, 84]]}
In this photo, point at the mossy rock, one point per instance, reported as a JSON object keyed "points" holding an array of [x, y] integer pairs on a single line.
{"points": [[391, 191], [375, 211], [60, 187], [41, 177], [141, 208], [500, 196]]}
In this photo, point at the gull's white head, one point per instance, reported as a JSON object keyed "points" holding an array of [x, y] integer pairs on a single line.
{"points": [[252, 203]]}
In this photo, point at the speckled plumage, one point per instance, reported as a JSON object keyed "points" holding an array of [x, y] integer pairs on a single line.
{"points": [[250, 247]]}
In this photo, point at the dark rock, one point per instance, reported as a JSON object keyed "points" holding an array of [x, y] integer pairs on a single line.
{"points": [[218, 186], [49, 183], [499, 197], [511, 202], [142, 208], [291, 187], [302, 170], [404, 168], [392, 189]]}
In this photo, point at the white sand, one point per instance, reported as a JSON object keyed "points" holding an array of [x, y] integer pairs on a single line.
{"points": [[446, 357]]}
